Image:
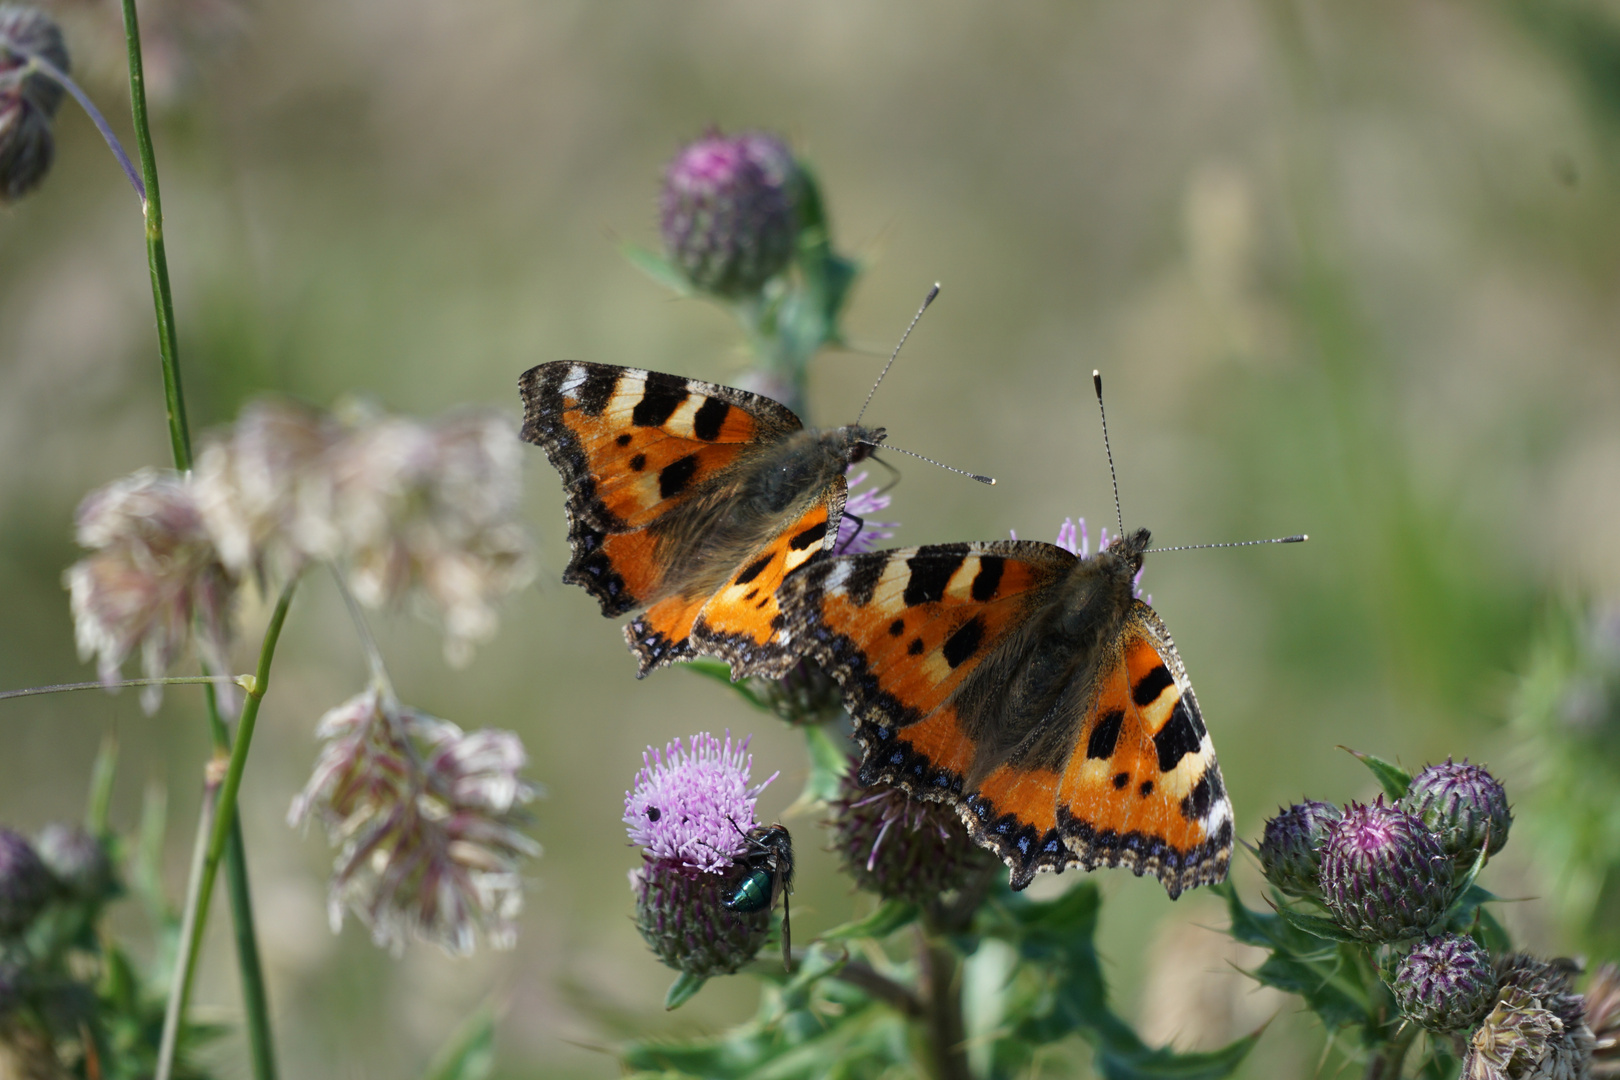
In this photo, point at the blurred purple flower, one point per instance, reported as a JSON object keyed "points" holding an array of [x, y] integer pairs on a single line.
{"points": [[27, 104], [728, 211], [1073, 538], [863, 504], [154, 576], [692, 804], [427, 817]]}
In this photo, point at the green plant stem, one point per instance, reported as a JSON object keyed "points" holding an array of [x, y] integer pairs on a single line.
{"points": [[157, 258], [222, 805], [1386, 1063], [944, 1034]]}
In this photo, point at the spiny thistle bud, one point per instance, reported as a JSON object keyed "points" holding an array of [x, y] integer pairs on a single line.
{"points": [[78, 860], [689, 810], [1603, 1018], [805, 695], [1446, 983], [903, 848], [27, 104], [25, 883], [729, 213], [1384, 876], [1550, 982], [1291, 849], [1464, 806]]}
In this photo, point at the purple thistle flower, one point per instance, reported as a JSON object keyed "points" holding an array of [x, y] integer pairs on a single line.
{"points": [[27, 105], [427, 817], [1073, 538], [863, 504], [729, 211], [688, 809], [691, 804]]}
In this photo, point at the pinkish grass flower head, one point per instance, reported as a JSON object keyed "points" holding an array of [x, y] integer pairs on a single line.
{"points": [[431, 510], [27, 103], [427, 818], [153, 575], [854, 539], [692, 803]]}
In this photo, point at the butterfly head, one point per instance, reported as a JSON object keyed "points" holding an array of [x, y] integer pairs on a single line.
{"points": [[862, 441], [1128, 549]]}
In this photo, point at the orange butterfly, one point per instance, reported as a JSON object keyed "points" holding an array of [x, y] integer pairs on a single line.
{"points": [[691, 500]]}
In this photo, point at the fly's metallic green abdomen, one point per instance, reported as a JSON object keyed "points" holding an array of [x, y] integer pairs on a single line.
{"points": [[752, 894]]}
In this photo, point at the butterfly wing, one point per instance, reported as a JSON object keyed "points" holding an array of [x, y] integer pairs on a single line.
{"points": [[961, 692], [633, 447], [742, 621]]}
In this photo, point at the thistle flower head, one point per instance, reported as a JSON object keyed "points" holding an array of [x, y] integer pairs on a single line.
{"points": [[1462, 804], [692, 803], [688, 809], [903, 848], [1384, 876], [1073, 538], [1291, 849], [1521, 1039], [855, 538], [77, 859], [28, 102], [25, 883], [154, 574], [728, 211], [1603, 1018], [427, 817], [1445, 983]]}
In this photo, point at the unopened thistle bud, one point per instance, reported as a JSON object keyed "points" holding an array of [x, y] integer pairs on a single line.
{"points": [[690, 810], [25, 883], [1384, 876], [1446, 983], [903, 848], [27, 104], [1291, 849], [1462, 804], [78, 860], [729, 212]]}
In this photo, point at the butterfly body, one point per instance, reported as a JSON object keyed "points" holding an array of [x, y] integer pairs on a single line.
{"points": [[768, 856], [1032, 689], [689, 500]]}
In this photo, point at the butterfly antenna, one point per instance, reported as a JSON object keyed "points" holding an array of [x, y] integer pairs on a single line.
{"points": [[1300, 539], [1119, 515], [963, 472], [929, 299]]}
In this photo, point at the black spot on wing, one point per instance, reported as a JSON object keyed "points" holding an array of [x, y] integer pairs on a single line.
{"points": [[864, 573], [916, 647], [812, 535], [897, 628], [624, 440], [1121, 779], [754, 569], [638, 462], [931, 570], [676, 475], [1151, 685], [1198, 801], [1105, 735], [658, 402], [707, 421], [597, 390], [1176, 739], [964, 643], [988, 579], [1146, 789]]}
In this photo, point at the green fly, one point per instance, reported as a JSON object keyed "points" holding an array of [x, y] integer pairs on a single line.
{"points": [[769, 860]]}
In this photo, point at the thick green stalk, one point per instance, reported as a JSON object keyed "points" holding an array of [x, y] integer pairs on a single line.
{"points": [[220, 831], [157, 258]]}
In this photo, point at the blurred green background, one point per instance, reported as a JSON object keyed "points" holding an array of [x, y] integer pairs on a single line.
{"points": [[1349, 270]]}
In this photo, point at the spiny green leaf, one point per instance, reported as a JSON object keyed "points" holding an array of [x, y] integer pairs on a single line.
{"points": [[469, 1054], [681, 990], [890, 916], [1315, 925], [1395, 780], [658, 268]]}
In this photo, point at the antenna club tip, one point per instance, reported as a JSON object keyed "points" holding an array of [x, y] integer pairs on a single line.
{"points": [[929, 299], [990, 480]]}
